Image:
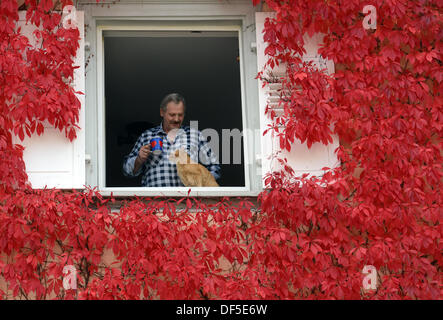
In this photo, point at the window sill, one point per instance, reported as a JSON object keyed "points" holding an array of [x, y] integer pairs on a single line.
{"points": [[180, 192]]}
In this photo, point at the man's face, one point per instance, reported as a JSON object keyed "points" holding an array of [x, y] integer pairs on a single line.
{"points": [[173, 116]]}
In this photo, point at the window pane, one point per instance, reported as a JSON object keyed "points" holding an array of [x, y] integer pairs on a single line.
{"points": [[141, 69]]}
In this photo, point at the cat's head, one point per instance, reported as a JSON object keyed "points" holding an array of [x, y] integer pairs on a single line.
{"points": [[180, 156]]}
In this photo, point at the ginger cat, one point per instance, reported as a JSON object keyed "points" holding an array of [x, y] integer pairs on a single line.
{"points": [[191, 174]]}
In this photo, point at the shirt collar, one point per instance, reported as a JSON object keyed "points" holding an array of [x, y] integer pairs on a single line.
{"points": [[160, 130]]}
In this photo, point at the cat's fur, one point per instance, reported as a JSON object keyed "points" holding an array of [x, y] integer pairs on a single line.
{"points": [[191, 174]]}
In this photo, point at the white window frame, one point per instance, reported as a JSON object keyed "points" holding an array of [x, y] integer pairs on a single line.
{"points": [[152, 22]]}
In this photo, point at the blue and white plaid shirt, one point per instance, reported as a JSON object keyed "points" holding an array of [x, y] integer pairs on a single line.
{"points": [[159, 171]]}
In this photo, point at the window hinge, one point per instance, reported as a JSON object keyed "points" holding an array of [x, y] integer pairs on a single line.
{"points": [[258, 159], [253, 47], [87, 158]]}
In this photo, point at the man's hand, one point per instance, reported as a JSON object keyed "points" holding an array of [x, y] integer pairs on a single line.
{"points": [[143, 155], [144, 152]]}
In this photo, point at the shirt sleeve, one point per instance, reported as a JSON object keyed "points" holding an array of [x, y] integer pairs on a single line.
{"points": [[207, 157], [129, 160]]}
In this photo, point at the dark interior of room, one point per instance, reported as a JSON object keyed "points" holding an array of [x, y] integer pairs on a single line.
{"points": [[141, 70]]}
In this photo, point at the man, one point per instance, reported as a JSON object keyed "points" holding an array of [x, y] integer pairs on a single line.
{"points": [[158, 170]]}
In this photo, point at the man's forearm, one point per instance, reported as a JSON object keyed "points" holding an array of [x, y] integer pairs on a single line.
{"points": [[214, 169], [137, 164]]}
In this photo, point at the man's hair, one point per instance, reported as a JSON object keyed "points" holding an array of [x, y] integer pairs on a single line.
{"points": [[172, 97]]}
